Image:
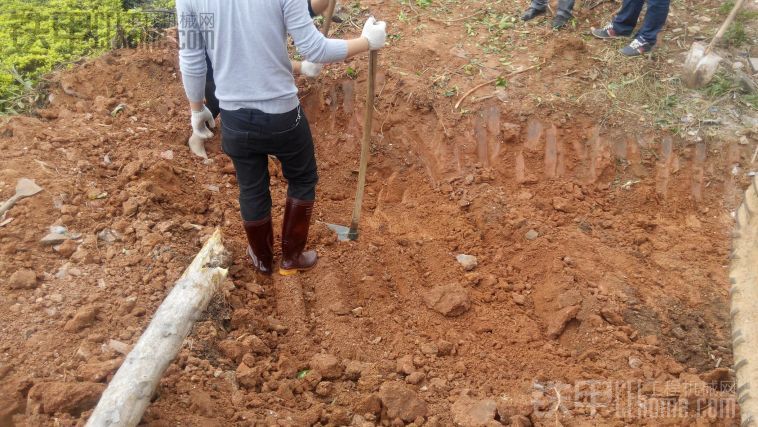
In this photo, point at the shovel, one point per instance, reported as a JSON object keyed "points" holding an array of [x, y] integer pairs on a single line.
{"points": [[351, 233], [702, 62], [24, 188]]}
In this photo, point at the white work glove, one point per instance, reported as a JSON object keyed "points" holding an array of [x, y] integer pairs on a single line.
{"points": [[201, 121], [197, 146], [375, 32], [310, 69]]}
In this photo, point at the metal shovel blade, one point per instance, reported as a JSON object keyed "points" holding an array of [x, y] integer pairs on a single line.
{"points": [[26, 187], [343, 233], [700, 66]]}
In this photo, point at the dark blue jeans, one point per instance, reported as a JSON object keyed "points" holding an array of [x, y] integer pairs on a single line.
{"points": [[655, 17], [249, 136]]}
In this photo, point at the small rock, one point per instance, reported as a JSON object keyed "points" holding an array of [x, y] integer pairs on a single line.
{"points": [[98, 371], [131, 206], [233, 349], [108, 236], [52, 239], [737, 65], [753, 63], [248, 377], [23, 279], [429, 349], [354, 370], [469, 412], [257, 346], [82, 319], [324, 388], [560, 320], [531, 235], [415, 377], [635, 362], [445, 348], [119, 347], [67, 248], [448, 300], [404, 365], [72, 398], [612, 316], [167, 155], [467, 261], [562, 205], [84, 256], [520, 421], [693, 29], [519, 299], [327, 365], [401, 401], [371, 404]]}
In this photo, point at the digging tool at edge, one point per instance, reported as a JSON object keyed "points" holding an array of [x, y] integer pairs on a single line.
{"points": [[702, 62], [351, 233], [24, 188], [328, 14]]}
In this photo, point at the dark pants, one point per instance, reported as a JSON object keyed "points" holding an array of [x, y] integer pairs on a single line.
{"points": [[655, 18], [210, 89], [249, 137], [564, 6]]}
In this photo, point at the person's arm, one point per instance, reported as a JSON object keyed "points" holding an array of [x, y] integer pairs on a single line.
{"points": [[191, 54], [311, 44], [356, 46]]}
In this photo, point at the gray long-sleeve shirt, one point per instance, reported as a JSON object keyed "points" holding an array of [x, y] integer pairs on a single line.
{"points": [[246, 41]]}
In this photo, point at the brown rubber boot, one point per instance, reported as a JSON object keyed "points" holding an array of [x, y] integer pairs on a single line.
{"points": [[297, 220], [260, 235]]}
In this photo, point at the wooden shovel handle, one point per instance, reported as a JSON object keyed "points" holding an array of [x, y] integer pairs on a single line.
{"points": [[365, 146], [722, 30], [328, 14]]}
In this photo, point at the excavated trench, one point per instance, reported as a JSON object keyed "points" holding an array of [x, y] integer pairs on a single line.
{"points": [[600, 256]]}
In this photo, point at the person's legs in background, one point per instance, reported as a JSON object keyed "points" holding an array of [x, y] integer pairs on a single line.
{"points": [[655, 19], [536, 8], [623, 23], [317, 7], [647, 36], [563, 15], [626, 18]]}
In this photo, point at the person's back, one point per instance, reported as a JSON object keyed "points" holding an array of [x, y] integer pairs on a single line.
{"points": [[260, 113], [246, 41]]}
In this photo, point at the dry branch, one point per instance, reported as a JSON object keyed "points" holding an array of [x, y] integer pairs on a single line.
{"points": [[479, 86]]}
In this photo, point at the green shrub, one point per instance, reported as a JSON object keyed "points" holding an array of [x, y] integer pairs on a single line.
{"points": [[38, 35]]}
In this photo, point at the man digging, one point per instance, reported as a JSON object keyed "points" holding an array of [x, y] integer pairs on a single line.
{"points": [[246, 42]]}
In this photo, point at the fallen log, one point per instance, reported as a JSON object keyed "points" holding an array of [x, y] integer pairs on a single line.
{"points": [[130, 390]]}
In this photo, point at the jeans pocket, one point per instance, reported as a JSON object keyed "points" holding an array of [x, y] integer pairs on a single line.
{"points": [[287, 122], [233, 141]]}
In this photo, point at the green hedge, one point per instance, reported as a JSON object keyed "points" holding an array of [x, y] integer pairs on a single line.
{"points": [[38, 35]]}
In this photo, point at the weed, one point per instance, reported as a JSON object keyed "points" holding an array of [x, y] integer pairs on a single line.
{"points": [[751, 100], [352, 73], [735, 35], [719, 86], [423, 3]]}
